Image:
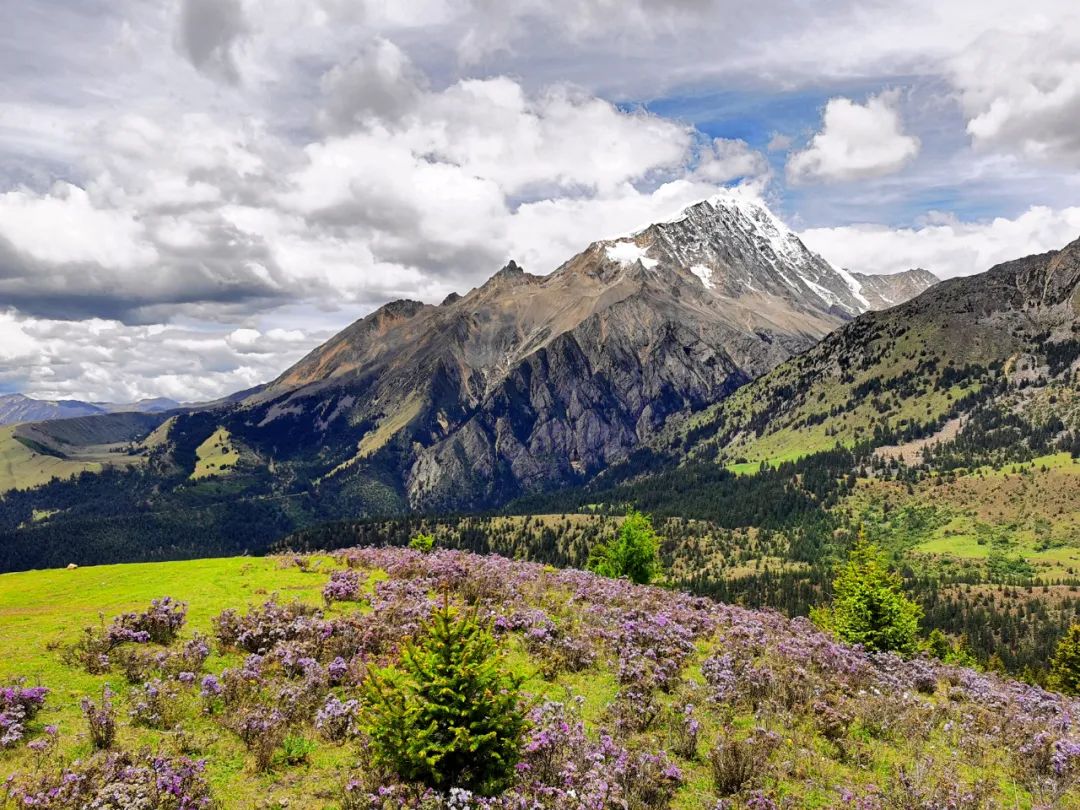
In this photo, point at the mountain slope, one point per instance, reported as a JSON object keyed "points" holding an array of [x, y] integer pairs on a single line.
{"points": [[893, 289], [901, 374], [634, 696], [526, 383]]}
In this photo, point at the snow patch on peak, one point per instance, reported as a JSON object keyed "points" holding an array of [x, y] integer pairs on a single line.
{"points": [[627, 252], [704, 273], [853, 285]]}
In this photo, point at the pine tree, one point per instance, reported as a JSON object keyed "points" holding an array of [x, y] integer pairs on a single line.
{"points": [[1065, 665], [634, 553], [869, 606], [448, 715]]}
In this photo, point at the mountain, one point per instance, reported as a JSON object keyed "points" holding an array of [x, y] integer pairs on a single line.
{"points": [[529, 382], [1006, 340], [150, 405], [18, 408], [892, 289]]}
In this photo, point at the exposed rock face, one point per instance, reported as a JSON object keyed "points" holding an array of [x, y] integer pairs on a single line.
{"points": [[533, 381], [884, 291]]}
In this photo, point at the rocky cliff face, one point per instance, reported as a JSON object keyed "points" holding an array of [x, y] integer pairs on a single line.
{"points": [[533, 381], [893, 289]]}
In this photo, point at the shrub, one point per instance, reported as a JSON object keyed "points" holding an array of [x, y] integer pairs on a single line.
{"points": [[337, 720], [686, 732], [114, 780], [1065, 665], [869, 607], [156, 704], [634, 553], [736, 763], [422, 543], [344, 586], [160, 623], [448, 714], [262, 730], [100, 719], [18, 706]]}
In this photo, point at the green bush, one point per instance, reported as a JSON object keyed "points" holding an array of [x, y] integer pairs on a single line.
{"points": [[1065, 665], [869, 606], [448, 714], [634, 553], [422, 542]]}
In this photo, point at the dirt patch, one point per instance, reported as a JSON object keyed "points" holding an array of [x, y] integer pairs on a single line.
{"points": [[911, 452]]}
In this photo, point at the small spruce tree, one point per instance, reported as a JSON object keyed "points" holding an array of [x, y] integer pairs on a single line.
{"points": [[634, 553], [869, 606], [1065, 665], [422, 542], [448, 714]]}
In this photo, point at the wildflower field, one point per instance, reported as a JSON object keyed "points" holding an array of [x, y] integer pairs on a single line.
{"points": [[247, 683]]}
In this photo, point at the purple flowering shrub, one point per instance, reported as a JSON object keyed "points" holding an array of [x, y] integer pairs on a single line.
{"points": [[111, 781], [262, 730], [261, 628], [159, 624], [155, 704], [18, 706], [344, 586], [737, 762], [338, 720], [100, 719]]}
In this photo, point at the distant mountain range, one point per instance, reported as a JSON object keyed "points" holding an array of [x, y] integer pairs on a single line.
{"points": [[17, 408]]}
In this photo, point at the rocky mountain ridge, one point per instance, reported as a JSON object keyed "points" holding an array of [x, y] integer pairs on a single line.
{"points": [[528, 381]]}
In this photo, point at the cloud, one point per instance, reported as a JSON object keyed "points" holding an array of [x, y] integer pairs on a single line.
{"points": [[945, 245], [729, 159], [348, 152], [779, 142], [64, 254], [856, 141], [103, 360], [1021, 92], [209, 31], [381, 82]]}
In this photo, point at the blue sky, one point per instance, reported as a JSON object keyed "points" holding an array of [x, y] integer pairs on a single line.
{"points": [[195, 193]]}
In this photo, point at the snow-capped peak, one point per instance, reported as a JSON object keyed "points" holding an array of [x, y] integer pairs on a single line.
{"points": [[626, 251]]}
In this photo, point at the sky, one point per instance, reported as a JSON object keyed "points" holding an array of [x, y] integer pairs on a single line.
{"points": [[195, 193]]}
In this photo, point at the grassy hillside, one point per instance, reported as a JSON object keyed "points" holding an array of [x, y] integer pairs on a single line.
{"points": [[24, 466], [780, 714]]}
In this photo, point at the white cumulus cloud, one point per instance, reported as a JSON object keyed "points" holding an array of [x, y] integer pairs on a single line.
{"points": [[945, 245], [856, 141]]}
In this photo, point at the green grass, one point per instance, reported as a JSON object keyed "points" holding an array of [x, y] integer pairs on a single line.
{"points": [[215, 456], [23, 468], [1027, 509], [42, 611]]}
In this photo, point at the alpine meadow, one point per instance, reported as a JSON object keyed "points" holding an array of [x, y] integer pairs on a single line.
{"points": [[578, 405]]}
